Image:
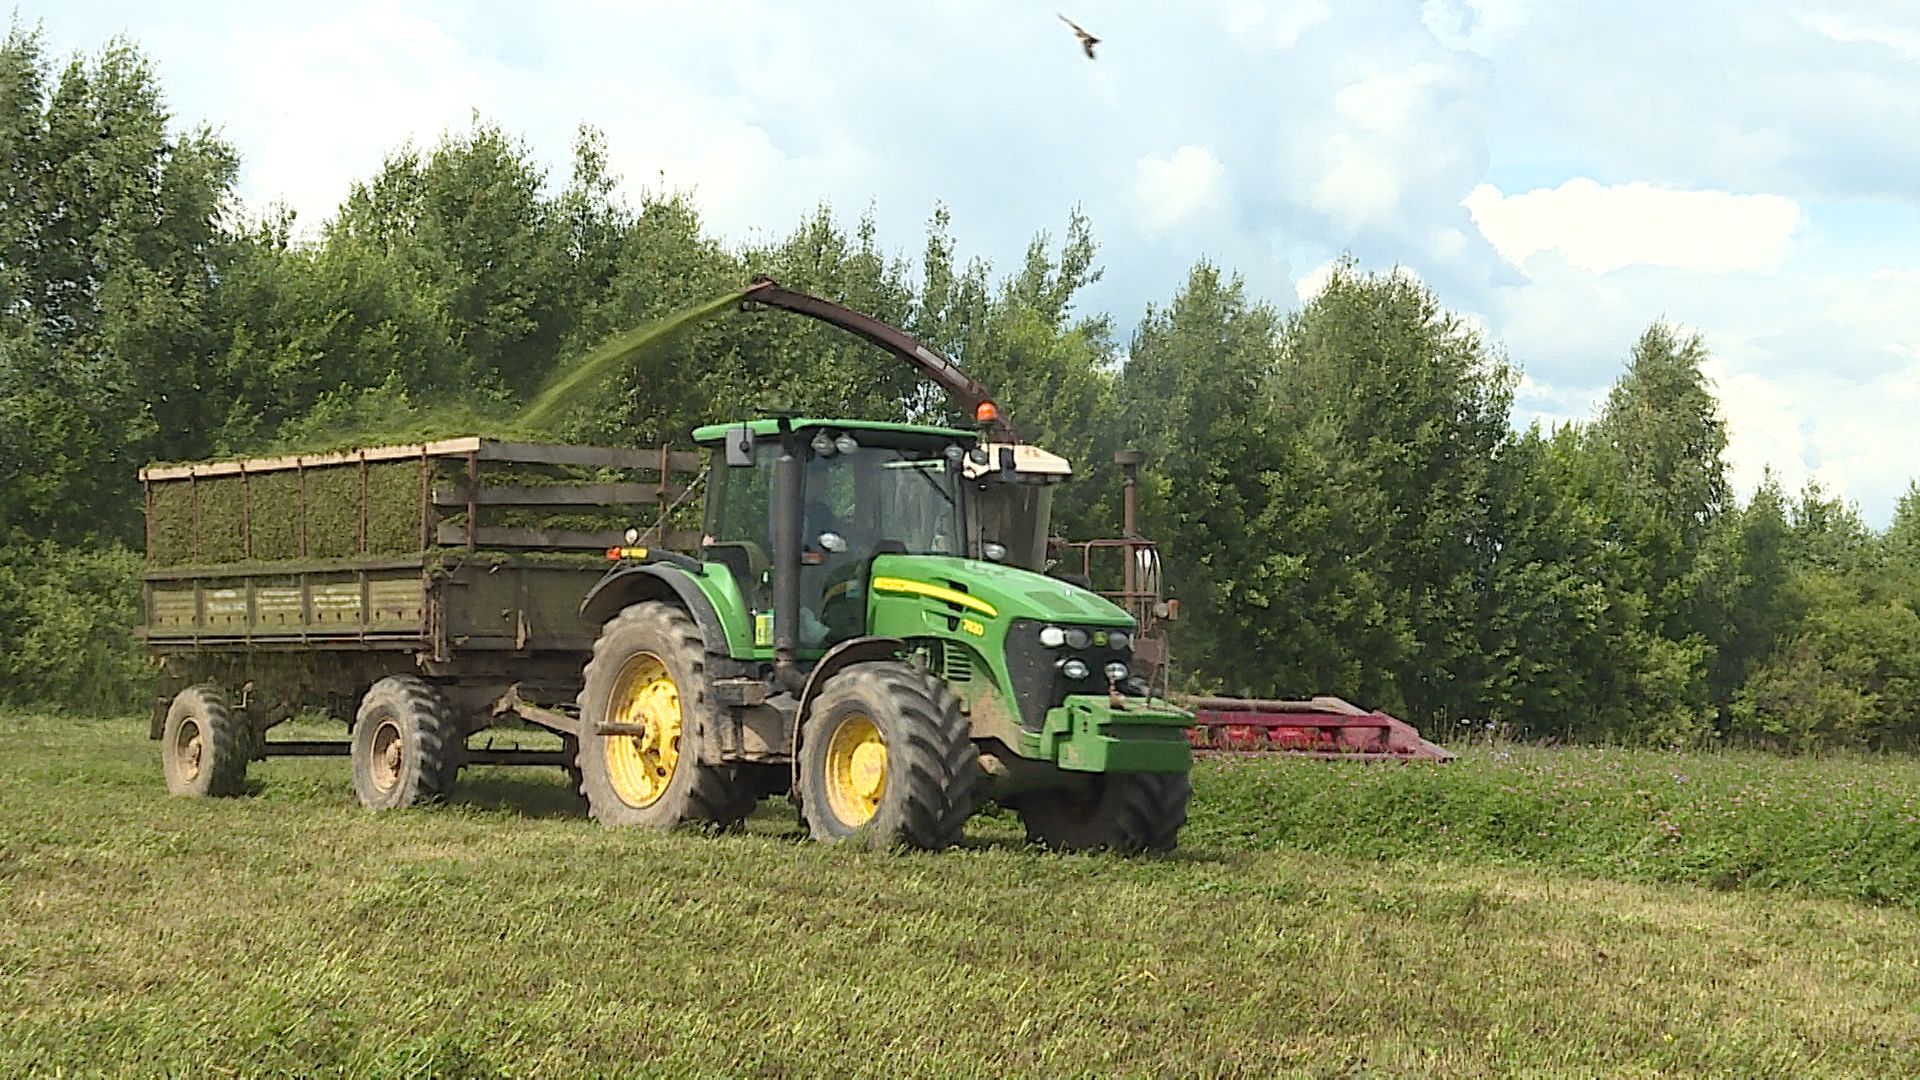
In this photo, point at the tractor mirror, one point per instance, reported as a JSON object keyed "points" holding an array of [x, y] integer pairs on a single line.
{"points": [[740, 446]]}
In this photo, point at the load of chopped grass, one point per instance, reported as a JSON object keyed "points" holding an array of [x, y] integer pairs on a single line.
{"points": [[393, 507], [333, 512], [275, 515], [222, 531], [170, 524]]}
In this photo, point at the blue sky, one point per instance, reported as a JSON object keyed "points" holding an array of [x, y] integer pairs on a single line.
{"points": [[1560, 170]]}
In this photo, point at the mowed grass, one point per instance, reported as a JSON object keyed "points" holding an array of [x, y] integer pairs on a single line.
{"points": [[1843, 826], [291, 932]]}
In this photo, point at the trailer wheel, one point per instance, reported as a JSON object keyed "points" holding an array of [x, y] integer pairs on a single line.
{"points": [[204, 746], [406, 748], [1125, 812], [887, 757], [648, 675]]}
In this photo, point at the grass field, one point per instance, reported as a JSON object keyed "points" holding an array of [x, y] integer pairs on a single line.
{"points": [[291, 932]]}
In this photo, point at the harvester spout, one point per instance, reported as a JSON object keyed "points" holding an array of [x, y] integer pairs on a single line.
{"points": [[963, 388]]}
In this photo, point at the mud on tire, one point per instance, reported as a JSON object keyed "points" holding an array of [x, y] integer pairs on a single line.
{"points": [[204, 744], [406, 747]]}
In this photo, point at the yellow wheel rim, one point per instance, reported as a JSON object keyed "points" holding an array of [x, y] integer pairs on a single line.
{"points": [[640, 767], [856, 770]]}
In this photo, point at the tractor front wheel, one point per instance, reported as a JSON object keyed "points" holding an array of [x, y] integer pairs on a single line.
{"points": [[406, 748], [203, 747], [1124, 812], [886, 756], [647, 682]]}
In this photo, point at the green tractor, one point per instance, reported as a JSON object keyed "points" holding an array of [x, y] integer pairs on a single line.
{"points": [[857, 632]]}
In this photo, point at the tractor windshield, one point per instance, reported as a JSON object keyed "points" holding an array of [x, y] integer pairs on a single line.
{"points": [[875, 499]]}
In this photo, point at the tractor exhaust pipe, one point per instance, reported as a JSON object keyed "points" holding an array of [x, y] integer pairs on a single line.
{"points": [[786, 563]]}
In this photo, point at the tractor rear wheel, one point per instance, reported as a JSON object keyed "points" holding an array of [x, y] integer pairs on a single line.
{"points": [[1125, 812], [203, 746], [648, 676], [406, 746], [886, 756]]}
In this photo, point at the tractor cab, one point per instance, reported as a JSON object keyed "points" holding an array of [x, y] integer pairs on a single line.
{"points": [[861, 490]]}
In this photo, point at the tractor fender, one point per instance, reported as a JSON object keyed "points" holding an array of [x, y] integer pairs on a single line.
{"points": [[629, 585], [858, 650]]}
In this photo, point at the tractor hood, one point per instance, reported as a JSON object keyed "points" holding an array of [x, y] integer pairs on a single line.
{"points": [[993, 590]]}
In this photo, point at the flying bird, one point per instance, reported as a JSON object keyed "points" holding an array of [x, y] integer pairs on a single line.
{"points": [[1087, 41]]}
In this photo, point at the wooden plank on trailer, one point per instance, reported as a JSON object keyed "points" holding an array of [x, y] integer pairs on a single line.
{"points": [[440, 448], [498, 536], [487, 536], [604, 456], [555, 495]]}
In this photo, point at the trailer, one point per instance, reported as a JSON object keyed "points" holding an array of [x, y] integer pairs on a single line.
{"points": [[442, 579]]}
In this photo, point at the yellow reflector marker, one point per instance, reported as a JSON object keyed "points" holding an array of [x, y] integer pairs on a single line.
{"points": [[935, 592]]}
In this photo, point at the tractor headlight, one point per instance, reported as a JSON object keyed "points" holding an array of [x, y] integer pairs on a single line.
{"points": [[1119, 640], [633, 537], [994, 552], [1117, 671], [1074, 669], [845, 444], [1078, 638], [822, 446], [1052, 637]]}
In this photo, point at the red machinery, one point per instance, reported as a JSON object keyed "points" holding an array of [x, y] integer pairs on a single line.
{"points": [[1322, 727]]}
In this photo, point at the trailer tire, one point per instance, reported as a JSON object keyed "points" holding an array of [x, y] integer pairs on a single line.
{"points": [[887, 759], [204, 745], [406, 746], [649, 668], [1127, 813]]}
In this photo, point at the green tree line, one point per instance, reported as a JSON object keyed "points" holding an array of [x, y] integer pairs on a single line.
{"points": [[1342, 501]]}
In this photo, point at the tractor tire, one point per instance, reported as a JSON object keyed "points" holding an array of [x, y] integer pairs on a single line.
{"points": [[406, 746], [1127, 813], [204, 745], [649, 670], [886, 758]]}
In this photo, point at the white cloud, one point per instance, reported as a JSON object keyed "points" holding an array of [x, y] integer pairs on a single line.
{"points": [[1168, 191], [1847, 32], [1602, 228], [1359, 182], [1764, 428], [1389, 102], [1313, 282], [1475, 25], [1282, 25]]}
